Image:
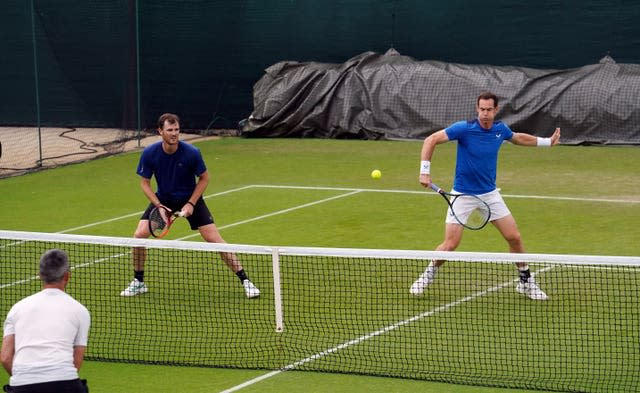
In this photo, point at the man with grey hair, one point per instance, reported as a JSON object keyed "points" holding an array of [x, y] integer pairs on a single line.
{"points": [[45, 335]]}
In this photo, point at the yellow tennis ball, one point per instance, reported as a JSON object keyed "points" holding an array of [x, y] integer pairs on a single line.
{"points": [[376, 174]]}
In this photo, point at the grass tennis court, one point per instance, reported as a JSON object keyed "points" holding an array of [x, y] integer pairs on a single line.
{"points": [[573, 200]]}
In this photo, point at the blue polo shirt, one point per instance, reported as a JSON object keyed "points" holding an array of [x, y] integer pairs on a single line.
{"points": [[175, 173], [477, 155]]}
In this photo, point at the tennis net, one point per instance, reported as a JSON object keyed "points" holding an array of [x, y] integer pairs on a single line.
{"points": [[350, 311]]}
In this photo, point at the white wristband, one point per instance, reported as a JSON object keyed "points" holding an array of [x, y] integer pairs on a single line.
{"points": [[425, 167], [544, 142]]}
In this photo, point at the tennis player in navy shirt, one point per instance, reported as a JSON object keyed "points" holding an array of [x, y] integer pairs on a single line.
{"points": [[176, 165], [479, 141]]}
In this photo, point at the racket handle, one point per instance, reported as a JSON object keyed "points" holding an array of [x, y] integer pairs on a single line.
{"points": [[436, 188], [180, 213]]}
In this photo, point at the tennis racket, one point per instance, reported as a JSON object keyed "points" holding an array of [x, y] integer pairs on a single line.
{"points": [[160, 221], [470, 211]]}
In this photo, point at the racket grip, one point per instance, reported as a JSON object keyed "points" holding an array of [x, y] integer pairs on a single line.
{"points": [[435, 188]]}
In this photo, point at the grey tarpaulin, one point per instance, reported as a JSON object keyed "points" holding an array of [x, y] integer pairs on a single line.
{"points": [[378, 96]]}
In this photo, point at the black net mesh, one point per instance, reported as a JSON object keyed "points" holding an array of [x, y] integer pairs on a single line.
{"points": [[352, 313]]}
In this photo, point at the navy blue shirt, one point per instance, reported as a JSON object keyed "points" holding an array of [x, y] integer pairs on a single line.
{"points": [[477, 155], [175, 173]]}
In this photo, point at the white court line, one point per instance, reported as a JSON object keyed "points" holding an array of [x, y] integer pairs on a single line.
{"points": [[283, 211], [353, 189], [559, 198], [93, 224], [23, 281], [278, 212], [379, 332], [72, 268]]}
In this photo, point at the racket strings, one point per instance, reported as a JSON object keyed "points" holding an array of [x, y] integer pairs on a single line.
{"points": [[478, 217], [470, 211], [157, 221]]}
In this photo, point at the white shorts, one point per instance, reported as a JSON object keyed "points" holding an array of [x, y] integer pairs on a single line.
{"points": [[465, 207]]}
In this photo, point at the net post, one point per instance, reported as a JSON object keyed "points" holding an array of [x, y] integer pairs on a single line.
{"points": [[277, 294]]}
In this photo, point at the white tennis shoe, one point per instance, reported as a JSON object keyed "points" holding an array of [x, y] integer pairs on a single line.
{"points": [[531, 289], [423, 282], [135, 288], [250, 290]]}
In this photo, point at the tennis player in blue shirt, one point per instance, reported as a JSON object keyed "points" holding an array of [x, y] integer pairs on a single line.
{"points": [[176, 165], [479, 142]]}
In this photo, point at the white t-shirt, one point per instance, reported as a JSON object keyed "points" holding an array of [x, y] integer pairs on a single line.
{"points": [[46, 325]]}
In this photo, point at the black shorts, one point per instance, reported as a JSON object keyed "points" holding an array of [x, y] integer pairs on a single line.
{"points": [[71, 386], [201, 215]]}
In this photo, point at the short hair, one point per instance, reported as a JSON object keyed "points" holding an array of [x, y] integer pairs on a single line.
{"points": [[488, 96], [53, 265], [169, 117]]}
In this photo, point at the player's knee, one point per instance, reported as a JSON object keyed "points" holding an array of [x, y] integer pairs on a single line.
{"points": [[514, 238], [448, 245], [141, 234]]}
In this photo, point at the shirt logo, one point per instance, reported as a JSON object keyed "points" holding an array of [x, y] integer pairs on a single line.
{"points": [[498, 135]]}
